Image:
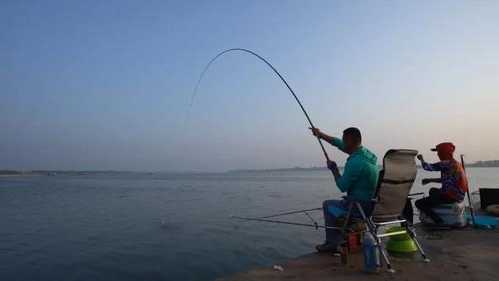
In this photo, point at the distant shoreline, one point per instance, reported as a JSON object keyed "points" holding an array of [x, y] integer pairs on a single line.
{"points": [[485, 164], [15, 173], [472, 165], [477, 164]]}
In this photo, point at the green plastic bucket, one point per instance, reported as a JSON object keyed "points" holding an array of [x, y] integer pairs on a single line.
{"points": [[400, 243]]}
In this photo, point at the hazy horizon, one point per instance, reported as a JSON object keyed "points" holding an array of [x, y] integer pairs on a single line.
{"points": [[106, 85]]}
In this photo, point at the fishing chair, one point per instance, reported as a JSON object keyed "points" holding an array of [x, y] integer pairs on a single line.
{"points": [[395, 181]]}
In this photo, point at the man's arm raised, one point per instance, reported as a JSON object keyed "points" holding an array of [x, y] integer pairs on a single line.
{"points": [[318, 133], [330, 139]]}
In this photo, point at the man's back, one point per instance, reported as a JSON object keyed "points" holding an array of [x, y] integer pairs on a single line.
{"points": [[360, 176], [364, 171]]}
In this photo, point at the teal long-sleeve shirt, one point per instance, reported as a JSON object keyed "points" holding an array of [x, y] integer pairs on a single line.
{"points": [[360, 176]]}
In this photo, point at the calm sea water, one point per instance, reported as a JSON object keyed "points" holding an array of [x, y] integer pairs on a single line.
{"points": [[158, 227]]}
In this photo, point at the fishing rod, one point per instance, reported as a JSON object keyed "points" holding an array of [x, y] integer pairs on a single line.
{"points": [[290, 213], [276, 72], [315, 225], [270, 218], [472, 213]]}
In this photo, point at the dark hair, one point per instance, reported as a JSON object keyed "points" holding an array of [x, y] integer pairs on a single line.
{"points": [[353, 132]]}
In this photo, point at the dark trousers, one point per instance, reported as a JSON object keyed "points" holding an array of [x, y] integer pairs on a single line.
{"points": [[435, 198]]}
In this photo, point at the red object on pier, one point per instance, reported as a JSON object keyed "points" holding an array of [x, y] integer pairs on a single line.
{"points": [[353, 242]]}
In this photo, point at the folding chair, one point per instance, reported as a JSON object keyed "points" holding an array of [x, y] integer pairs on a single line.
{"points": [[395, 182]]}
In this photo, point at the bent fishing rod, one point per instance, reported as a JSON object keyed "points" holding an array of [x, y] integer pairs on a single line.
{"points": [[276, 72], [472, 213]]}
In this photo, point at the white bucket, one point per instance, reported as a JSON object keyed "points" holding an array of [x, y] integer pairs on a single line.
{"points": [[451, 214]]}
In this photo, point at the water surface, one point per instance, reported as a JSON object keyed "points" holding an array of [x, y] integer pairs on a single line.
{"points": [[158, 226]]}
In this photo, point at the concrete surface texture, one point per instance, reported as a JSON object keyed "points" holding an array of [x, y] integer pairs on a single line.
{"points": [[458, 255]]}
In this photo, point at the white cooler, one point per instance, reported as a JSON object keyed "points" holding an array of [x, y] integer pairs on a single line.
{"points": [[451, 214]]}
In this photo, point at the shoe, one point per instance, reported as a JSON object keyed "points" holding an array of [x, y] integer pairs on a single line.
{"points": [[327, 248], [431, 220], [438, 221]]}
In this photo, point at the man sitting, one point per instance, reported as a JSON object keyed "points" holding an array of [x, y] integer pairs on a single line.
{"points": [[453, 180], [359, 181]]}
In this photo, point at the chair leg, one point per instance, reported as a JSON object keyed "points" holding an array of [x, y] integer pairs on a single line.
{"points": [[384, 255], [412, 234], [381, 248], [371, 227], [387, 260], [367, 220]]}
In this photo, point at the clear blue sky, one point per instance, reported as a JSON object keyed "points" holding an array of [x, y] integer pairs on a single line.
{"points": [[106, 84]]}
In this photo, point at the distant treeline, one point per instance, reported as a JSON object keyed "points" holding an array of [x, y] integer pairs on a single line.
{"points": [[277, 170], [490, 163], [54, 172], [486, 164], [10, 172], [481, 164]]}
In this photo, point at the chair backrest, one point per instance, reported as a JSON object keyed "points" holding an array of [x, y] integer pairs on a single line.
{"points": [[395, 183]]}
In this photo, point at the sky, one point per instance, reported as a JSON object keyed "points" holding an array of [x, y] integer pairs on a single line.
{"points": [[100, 85]]}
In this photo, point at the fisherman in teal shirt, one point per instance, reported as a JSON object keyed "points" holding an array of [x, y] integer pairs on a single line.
{"points": [[359, 181]]}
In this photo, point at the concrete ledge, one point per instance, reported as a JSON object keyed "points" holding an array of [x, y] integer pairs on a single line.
{"points": [[464, 254]]}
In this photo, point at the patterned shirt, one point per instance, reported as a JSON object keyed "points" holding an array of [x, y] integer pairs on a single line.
{"points": [[454, 181]]}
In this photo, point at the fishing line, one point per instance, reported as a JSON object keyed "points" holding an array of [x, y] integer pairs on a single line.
{"points": [[275, 71]]}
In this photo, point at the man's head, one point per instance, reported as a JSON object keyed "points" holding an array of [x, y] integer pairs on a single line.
{"points": [[445, 150], [352, 139]]}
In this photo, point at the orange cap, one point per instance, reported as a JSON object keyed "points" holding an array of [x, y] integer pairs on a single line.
{"points": [[445, 147]]}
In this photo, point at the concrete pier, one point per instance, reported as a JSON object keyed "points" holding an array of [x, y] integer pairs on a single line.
{"points": [[458, 255]]}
